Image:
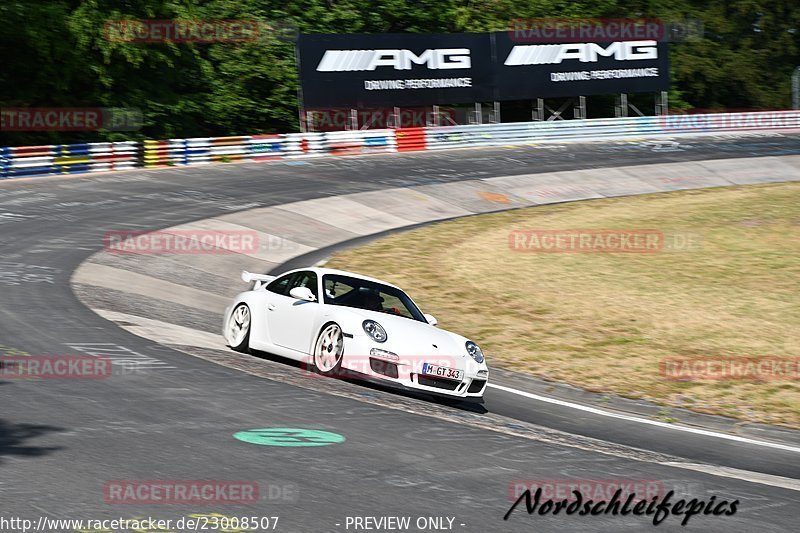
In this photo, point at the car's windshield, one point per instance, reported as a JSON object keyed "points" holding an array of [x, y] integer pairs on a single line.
{"points": [[369, 295]]}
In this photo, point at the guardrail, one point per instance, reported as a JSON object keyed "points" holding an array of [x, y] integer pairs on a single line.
{"points": [[92, 157], [67, 158], [442, 138], [201, 151]]}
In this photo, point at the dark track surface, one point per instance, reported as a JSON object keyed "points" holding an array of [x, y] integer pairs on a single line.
{"points": [[61, 441]]}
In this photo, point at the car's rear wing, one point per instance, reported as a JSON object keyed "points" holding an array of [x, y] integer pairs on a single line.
{"points": [[260, 279]]}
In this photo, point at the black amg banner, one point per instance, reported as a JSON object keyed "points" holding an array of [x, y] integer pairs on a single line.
{"points": [[524, 71], [363, 70]]}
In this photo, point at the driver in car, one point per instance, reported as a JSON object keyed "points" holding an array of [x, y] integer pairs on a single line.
{"points": [[373, 301]]}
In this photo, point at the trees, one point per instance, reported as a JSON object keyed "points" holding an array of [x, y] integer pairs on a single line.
{"points": [[56, 53]]}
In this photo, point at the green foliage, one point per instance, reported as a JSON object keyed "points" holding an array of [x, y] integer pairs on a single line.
{"points": [[56, 53]]}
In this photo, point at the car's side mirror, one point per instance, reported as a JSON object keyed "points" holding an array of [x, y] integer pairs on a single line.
{"points": [[431, 319], [302, 293]]}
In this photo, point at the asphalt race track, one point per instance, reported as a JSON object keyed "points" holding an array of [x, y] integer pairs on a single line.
{"points": [[61, 441]]}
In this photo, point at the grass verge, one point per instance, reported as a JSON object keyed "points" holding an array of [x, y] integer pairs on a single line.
{"points": [[607, 321]]}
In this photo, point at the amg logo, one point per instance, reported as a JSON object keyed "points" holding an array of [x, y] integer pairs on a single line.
{"points": [[548, 54], [358, 60]]}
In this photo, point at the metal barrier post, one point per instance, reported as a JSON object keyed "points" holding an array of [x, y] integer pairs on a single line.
{"points": [[796, 89], [303, 123], [352, 124], [662, 104], [478, 114], [538, 112], [580, 111], [495, 118], [621, 109]]}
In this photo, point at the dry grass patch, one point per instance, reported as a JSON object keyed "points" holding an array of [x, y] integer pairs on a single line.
{"points": [[604, 321]]}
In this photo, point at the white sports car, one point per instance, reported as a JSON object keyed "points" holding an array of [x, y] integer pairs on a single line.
{"points": [[337, 321]]}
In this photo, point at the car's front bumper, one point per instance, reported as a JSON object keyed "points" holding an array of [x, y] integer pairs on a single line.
{"points": [[405, 370]]}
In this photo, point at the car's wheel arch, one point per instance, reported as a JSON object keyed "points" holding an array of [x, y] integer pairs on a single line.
{"points": [[257, 302], [323, 324]]}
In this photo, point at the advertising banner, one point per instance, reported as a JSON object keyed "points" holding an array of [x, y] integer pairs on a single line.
{"points": [[525, 71], [413, 70], [384, 70]]}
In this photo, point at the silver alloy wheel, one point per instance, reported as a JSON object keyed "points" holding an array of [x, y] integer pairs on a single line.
{"points": [[238, 329], [329, 349]]}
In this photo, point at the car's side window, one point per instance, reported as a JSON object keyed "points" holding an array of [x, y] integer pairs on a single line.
{"points": [[280, 285], [334, 289], [392, 304], [368, 295], [305, 279]]}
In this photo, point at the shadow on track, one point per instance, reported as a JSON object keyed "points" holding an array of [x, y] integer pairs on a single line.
{"points": [[13, 438], [368, 383]]}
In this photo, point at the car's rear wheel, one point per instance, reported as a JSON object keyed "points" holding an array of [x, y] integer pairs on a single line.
{"points": [[238, 331], [329, 349]]}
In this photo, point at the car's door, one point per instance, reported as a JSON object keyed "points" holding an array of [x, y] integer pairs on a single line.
{"points": [[290, 321]]}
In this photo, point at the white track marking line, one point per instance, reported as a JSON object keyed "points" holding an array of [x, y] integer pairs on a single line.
{"points": [[744, 475], [165, 333], [630, 418]]}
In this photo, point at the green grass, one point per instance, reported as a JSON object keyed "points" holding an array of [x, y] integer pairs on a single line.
{"points": [[603, 321]]}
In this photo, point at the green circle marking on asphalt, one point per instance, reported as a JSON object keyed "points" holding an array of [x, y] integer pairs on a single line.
{"points": [[288, 437]]}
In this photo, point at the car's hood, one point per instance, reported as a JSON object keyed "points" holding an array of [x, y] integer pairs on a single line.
{"points": [[412, 337]]}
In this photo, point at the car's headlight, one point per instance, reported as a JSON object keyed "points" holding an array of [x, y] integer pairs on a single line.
{"points": [[474, 352], [374, 330]]}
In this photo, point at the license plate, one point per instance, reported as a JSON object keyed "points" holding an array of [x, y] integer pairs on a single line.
{"points": [[442, 371]]}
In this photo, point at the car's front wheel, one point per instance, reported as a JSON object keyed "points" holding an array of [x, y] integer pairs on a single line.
{"points": [[237, 333], [329, 350]]}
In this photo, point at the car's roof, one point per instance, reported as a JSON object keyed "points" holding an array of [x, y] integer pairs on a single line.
{"points": [[322, 271]]}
